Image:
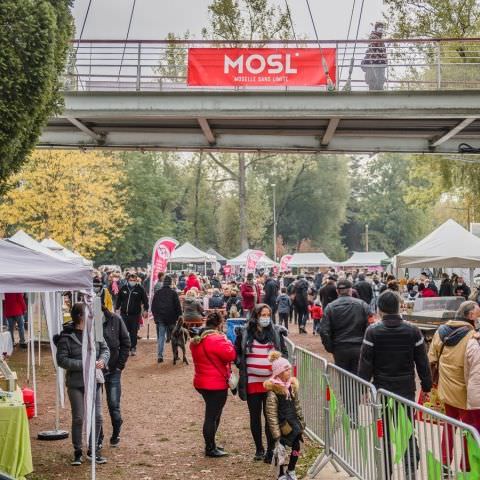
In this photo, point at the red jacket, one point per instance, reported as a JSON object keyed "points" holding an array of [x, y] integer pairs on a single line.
{"points": [[14, 305], [248, 295], [212, 356], [316, 311], [192, 281]]}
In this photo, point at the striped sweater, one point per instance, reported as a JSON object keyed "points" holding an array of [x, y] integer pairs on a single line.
{"points": [[259, 368]]}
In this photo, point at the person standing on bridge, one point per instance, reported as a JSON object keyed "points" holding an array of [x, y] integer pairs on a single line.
{"points": [[375, 61]]}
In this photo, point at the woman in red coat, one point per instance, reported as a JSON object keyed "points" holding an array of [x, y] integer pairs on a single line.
{"points": [[14, 309], [212, 355]]}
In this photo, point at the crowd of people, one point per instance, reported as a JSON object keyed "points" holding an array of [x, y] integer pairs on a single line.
{"points": [[356, 314]]}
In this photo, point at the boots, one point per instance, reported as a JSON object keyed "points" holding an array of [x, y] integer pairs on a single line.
{"points": [[214, 452]]}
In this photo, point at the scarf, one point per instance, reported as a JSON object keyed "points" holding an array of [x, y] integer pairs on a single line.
{"points": [[286, 385]]}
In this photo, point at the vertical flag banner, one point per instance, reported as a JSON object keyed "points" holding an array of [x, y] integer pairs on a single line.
{"points": [[227, 270], [162, 251], [252, 259], [285, 262]]}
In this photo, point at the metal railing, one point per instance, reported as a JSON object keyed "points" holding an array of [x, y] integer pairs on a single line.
{"points": [[379, 435], [151, 65]]}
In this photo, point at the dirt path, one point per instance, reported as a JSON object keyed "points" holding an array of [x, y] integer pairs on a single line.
{"points": [[161, 437]]}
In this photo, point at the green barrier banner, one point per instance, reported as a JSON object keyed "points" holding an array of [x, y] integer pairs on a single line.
{"points": [[346, 427], [401, 432], [434, 467]]}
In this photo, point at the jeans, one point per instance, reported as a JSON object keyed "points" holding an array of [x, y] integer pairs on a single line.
{"points": [[214, 402], [283, 319], [113, 389], [293, 456], [132, 322], [375, 76], [76, 403], [302, 318], [256, 403], [162, 329], [21, 327]]}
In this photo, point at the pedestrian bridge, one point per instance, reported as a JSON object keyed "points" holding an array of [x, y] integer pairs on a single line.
{"points": [[134, 95]]}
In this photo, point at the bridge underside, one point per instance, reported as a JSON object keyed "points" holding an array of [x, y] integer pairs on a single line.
{"points": [[293, 121]]}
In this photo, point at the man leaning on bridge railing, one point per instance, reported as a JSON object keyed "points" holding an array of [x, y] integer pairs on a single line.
{"points": [[375, 62]]}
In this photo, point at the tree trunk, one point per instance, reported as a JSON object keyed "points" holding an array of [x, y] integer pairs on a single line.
{"points": [[242, 201]]}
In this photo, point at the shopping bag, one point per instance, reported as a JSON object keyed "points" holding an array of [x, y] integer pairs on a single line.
{"points": [[432, 401]]}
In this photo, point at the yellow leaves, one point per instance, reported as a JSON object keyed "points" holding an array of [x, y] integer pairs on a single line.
{"points": [[71, 196]]}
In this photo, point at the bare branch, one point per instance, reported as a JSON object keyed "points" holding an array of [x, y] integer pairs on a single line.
{"points": [[220, 164]]}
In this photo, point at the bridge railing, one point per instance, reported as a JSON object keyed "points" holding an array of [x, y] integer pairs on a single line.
{"points": [[151, 65]]}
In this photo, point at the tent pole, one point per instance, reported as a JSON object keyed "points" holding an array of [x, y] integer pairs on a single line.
{"points": [[1, 312], [38, 310], [32, 341]]}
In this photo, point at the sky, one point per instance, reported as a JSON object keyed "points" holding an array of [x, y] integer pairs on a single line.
{"points": [[154, 19]]}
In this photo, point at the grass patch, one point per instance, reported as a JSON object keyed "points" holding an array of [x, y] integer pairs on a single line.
{"points": [[310, 452]]}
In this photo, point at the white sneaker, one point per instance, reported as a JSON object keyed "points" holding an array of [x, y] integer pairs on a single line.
{"points": [[292, 475], [283, 477]]}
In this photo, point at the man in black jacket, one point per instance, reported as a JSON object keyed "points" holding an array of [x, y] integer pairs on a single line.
{"points": [[131, 298], [364, 289], [328, 293], [392, 349], [166, 309], [271, 289], [343, 327], [116, 335]]}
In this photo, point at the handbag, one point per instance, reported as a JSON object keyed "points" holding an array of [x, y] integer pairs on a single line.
{"points": [[285, 428], [232, 379]]}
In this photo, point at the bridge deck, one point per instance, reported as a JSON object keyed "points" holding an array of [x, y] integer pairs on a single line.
{"points": [[293, 121]]}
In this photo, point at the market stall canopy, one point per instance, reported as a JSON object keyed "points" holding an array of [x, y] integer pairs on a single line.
{"points": [[25, 270], [188, 253], [218, 256], [241, 260], [366, 259], [25, 240], [449, 246], [310, 259], [65, 252]]}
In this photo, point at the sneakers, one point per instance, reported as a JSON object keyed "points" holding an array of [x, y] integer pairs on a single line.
{"points": [[77, 459], [215, 453], [115, 441], [268, 457], [99, 460], [259, 455], [291, 475], [133, 352]]}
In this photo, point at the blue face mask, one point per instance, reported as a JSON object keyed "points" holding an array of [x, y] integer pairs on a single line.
{"points": [[264, 321], [132, 284]]}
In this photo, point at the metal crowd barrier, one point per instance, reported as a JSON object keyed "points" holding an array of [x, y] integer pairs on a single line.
{"points": [[379, 435]]}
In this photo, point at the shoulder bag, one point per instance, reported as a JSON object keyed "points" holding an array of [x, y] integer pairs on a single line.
{"points": [[232, 379]]}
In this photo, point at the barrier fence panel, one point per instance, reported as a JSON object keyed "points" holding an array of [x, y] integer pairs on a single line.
{"points": [[354, 442], [290, 347], [419, 443]]}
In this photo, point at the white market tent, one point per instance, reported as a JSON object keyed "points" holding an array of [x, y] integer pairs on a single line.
{"points": [[449, 246], [188, 253], [23, 239], [310, 259], [241, 260], [65, 252], [365, 259], [26, 270], [218, 256]]}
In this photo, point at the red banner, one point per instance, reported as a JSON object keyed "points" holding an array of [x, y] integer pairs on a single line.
{"points": [[252, 259], [227, 270], [284, 262], [162, 252], [260, 66]]}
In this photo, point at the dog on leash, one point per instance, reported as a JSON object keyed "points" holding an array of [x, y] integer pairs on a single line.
{"points": [[180, 338]]}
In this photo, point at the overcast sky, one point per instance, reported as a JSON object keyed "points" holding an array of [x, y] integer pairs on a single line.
{"points": [[153, 19]]}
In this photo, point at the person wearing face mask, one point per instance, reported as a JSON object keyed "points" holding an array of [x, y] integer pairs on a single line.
{"points": [[450, 356], [375, 61], [462, 289], [257, 339], [131, 299]]}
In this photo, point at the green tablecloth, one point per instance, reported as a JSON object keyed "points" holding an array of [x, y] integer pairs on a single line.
{"points": [[15, 451]]}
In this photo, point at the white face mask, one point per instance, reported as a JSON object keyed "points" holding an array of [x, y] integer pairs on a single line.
{"points": [[264, 321], [132, 284]]}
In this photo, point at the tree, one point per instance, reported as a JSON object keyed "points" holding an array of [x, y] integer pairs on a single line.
{"points": [[244, 20], [433, 18], [34, 41], [71, 196]]}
